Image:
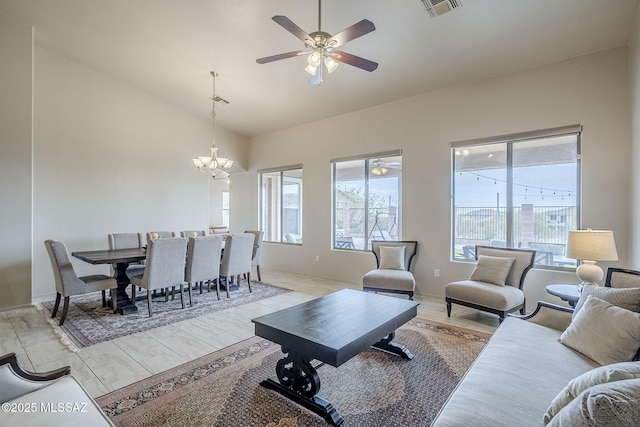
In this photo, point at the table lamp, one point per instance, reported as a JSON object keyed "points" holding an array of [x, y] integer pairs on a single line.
{"points": [[591, 246]]}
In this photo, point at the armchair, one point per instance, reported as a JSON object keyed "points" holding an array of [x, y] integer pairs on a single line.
{"points": [[485, 290], [393, 261]]}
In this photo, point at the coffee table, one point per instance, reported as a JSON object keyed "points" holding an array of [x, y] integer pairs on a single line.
{"points": [[331, 329]]}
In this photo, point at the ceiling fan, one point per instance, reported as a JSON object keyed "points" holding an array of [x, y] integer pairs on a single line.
{"points": [[321, 47], [380, 167]]}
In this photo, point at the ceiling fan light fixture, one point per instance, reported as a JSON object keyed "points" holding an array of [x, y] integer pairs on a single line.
{"points": [[331, 64], [311, 69]]}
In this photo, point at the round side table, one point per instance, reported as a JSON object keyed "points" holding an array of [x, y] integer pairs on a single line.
{"points": [[566, 292]]}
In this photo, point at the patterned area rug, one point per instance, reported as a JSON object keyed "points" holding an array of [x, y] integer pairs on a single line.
{"points": [[89, 323], [372, 389]]}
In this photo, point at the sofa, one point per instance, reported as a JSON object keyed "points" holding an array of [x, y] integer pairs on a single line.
{"points": [[48, 399], [524, 369]]}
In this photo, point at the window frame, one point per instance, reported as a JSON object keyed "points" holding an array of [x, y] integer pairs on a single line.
{"points": [[510, 140], [280, 208], [367, 158]]}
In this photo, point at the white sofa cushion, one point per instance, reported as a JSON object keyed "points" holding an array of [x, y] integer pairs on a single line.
{"points": [[64, 402], [604, 332], [401, 280], [599, 375], [614, 404], [503, 298]]}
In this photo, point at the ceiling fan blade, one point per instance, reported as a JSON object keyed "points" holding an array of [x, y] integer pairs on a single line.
{"points": [[288, 25], [354, 60], [280, 56], [353, 32]]}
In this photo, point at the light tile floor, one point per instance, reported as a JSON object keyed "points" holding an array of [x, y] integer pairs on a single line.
{"points": [[108, 366]]}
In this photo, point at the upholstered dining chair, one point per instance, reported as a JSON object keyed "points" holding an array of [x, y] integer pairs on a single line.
{"points": [[203, 262], [393, 272], [69, 284], [236, 259], [189, 233], [127, 241], [495, 286], [257, 249], [164, 269]]}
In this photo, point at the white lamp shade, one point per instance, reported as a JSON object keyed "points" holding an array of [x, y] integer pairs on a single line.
{"points": [[592, 245]]}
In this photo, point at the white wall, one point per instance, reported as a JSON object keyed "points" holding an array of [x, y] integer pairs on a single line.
{"points": [[109, 158], [16, 53], [591, 90], [634, 79]]}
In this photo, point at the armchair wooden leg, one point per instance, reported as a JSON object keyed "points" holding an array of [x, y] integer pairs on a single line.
{"points": [[56, 305], [133, 294], [104, 298], [65, 308], [448, 308]]}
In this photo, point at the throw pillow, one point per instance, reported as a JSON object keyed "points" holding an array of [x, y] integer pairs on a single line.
{"points": [[599, 375], [392, 257], [492, 269], [628, 298], [614, 404], [603, 332]]}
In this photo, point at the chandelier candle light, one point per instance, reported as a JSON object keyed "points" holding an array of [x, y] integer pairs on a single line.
{"points": [[591, 246], [212, 165]]}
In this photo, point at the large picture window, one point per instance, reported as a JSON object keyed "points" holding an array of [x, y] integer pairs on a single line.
{"points": [[281, 204], [517, 191], [366, 200]]}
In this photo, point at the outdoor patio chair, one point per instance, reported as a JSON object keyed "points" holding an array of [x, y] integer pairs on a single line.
{"points": [[393, 260]]}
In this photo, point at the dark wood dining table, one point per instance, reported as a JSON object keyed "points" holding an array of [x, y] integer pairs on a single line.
{"points": [[120, 258]]}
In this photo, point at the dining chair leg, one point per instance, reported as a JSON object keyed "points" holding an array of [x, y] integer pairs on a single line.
{"points": [[182, 295], [258, 271], [133, 294], [190, 297], [57, 304], [217, 287], [149, 302], [249, 281], [104, 298], [227, 286], [65, 307], [114, 300]]}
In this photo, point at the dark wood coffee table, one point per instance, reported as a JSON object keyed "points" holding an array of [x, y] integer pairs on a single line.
{"points": [[331, 329]]}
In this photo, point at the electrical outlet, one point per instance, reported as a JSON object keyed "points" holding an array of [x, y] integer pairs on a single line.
{"points": [[436, 272], [317, 258]]}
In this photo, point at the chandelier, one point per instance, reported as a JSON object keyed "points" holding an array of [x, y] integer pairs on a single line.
{"points": [[212, 165]]}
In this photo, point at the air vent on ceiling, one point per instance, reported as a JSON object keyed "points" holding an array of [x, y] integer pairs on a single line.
{"points": [[438, 7]]}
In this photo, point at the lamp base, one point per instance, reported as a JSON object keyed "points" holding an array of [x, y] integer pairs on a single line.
{"points": [[589, 273]]}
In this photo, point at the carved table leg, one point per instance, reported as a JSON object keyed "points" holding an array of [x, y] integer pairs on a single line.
{"points": [[386, 344], [299, 381]]}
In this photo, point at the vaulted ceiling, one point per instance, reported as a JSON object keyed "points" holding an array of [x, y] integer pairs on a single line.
{"points": [[168, 47]]}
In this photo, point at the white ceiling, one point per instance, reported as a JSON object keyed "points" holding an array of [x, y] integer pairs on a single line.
{"points": [[168, 47]]}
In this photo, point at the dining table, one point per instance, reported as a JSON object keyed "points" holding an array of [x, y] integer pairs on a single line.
{"points": [[120, 259]]}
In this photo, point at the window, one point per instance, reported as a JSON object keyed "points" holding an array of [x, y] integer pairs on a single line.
{"points": [[366, 200], [281, 204], [225, 208], [518, 191]]}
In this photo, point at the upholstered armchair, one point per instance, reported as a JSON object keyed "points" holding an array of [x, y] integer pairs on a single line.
{"points": [[393, 272], [495, 286]]}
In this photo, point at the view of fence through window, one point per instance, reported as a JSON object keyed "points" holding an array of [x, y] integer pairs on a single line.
{"points": [[520, 194], [366, 201]]}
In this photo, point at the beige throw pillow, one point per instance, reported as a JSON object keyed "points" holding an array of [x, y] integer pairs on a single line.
{"points": [[628, 298], [614, 404], [492, 269], [599, 375], [392, 257], [604, 332]]}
